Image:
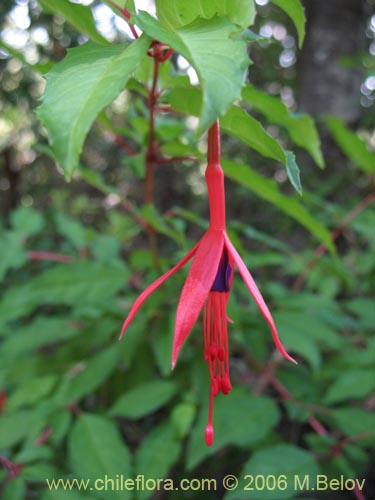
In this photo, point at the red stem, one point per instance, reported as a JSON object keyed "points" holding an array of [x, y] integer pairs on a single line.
{"points": [[126, 14], [120, 141], [54, 257]]}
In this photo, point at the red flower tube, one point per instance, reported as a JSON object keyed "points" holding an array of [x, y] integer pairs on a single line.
{"points": [[208, 286]]}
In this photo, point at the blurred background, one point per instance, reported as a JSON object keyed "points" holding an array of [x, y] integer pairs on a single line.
{"points": [[74, 402]]}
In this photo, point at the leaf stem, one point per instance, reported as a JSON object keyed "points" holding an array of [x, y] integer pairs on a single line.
{"points": [[127, 15]]}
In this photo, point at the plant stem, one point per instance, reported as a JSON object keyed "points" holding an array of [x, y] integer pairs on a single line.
{"points": [[152, 155]]}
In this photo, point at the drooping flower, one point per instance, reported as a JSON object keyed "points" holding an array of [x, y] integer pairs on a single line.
{"points": [[208, 286]]}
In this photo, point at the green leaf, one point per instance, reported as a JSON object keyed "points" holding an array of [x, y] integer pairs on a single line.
{"points": [[26, 221], [90, 77], [295, 10], [78, 283], [219, 60], [77, 15], [279, 461], [353, 384], [95, 371], [293, 171], [71, 229], [238, 123], [300, 127], [96, 450], [267, 189], [161, 438], [13, 255], [177, 13], [38, 333], [352, 421], [31, 391], [244, 413], [352, 145], [60, 494], [182, 418], [16, 426], [144, 399], [14, 489]]}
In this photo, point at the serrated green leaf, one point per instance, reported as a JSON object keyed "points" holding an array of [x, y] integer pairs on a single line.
{"points": [[244, 412], [293, 171], [267, 189], [295, 10], [77, 88], [178, 13], [280, 460], [70, 284], [144, 399], [352, 145], [77, 15], [219, 60], [97, 450], [353, 384], [300, 127]]}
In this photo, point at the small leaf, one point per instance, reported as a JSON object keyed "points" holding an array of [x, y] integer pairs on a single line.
{"points": [[97, 450], [88, 79], [352, 145], [293, 171], [144, 399], [295, 10], [220, 61], [279, 461], [77, 15]]}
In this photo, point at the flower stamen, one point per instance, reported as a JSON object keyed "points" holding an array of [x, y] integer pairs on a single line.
{"points": [[216, 352]]}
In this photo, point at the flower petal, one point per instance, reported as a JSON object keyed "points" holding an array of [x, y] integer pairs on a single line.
{"points": [[154, 285], [257, 296], [197, 286]]}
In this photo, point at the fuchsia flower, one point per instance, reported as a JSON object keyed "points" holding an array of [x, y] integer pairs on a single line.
{"points": [[208, 286]]}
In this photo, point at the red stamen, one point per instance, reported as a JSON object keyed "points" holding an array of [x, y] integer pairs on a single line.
{"points": [[216, 352]]}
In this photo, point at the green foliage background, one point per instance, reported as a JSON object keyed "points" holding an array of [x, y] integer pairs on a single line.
{"points": [[76, 402]]}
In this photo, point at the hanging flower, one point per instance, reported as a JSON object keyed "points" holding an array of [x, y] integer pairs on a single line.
{"points": [[208, 286]]}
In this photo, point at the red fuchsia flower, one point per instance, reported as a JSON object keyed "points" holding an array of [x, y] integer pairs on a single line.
{"points": [[208, 286]]}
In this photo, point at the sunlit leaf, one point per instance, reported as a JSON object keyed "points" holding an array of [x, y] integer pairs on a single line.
{"points": [[219, 60], [84, 82]]}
